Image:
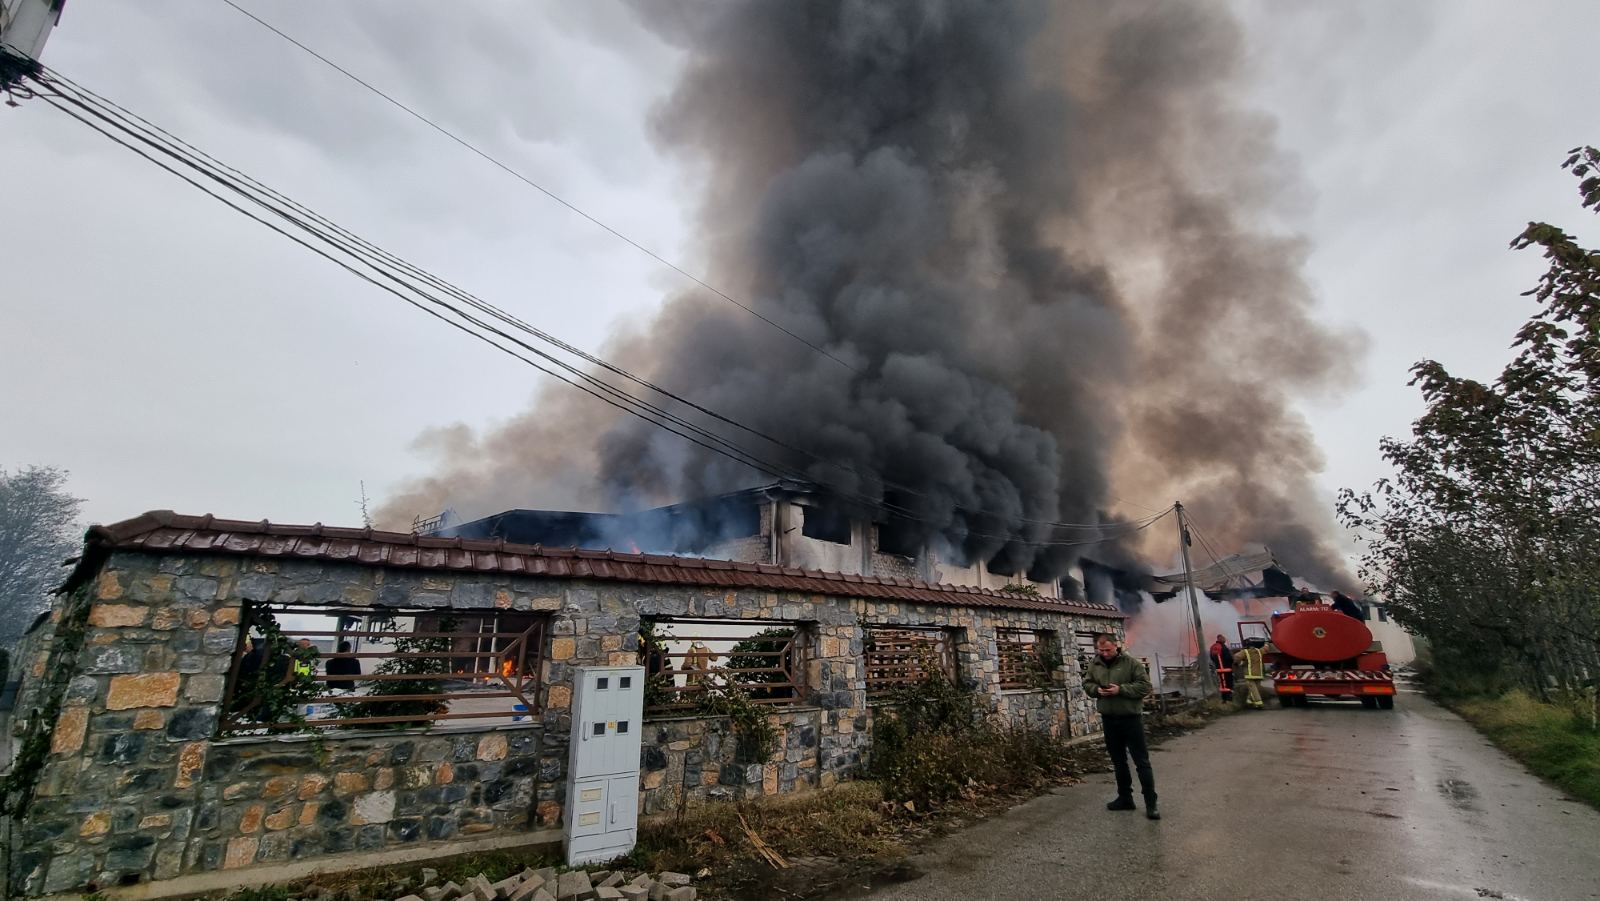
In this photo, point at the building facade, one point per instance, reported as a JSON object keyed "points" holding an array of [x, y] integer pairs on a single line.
{"points": [[144, 761], [783, 524]]}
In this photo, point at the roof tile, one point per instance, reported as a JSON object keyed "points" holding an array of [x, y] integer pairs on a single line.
{"points": [[163, 530]]}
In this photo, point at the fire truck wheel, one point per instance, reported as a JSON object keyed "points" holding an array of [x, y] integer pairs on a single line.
{"points": [[1285, 701], [1386, 702], [1302, 701], [1370, 703]]}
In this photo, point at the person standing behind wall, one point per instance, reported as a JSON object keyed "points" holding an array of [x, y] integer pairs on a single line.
{"points": [[1119, 684], [343, 670]]}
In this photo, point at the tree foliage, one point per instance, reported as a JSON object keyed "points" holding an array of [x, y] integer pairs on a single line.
{"points": [[763, 650], [1486, 541], [37, 534], [421, 656], [275, 678]]}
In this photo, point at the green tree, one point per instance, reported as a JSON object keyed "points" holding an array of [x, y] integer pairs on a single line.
{"points": [[762, 650], [276, 678], [1486, 541], [422, 656]]}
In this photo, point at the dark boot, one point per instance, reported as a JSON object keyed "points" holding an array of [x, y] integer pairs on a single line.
{"points": [[1123, 803], [1150, 810]]}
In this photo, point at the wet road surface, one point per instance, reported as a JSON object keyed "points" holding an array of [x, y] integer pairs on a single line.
{"points": [[1329, 802]]}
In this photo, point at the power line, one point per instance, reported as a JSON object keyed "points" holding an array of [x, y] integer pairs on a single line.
{"points": [[583, 213], [1228, 574], [369, 250], [617, 398], [498, 313], [542, 189]]}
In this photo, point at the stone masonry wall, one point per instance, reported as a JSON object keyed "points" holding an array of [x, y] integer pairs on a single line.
{"points": [[894, 566], [268, 801], [693, 760], [138, 786]]}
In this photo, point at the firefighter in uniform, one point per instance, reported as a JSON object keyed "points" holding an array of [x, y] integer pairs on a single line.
{"points": [[1252, 661], [1222, 658]]}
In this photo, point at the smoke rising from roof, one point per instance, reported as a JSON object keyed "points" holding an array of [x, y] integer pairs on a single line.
{"points": [[1034, 233]]}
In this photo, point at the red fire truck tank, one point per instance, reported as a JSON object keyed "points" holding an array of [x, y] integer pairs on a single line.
{"points": [[1316, 651]]}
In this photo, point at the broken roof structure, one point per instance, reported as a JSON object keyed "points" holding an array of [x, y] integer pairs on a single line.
{"points": [[1256, 575]]}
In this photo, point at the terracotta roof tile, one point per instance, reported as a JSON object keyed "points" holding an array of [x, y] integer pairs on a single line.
{"points": [[163, 531]]}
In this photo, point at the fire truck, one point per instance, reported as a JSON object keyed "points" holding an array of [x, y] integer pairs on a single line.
{"points": [[1315, 651]]}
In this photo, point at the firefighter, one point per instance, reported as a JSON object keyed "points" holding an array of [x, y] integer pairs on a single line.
{"points": [[1222, 658], [303, 665], [1252, 659], [1347, 606]]}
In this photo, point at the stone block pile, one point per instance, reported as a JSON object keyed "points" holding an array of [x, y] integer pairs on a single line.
{"points": [[548, 885]]}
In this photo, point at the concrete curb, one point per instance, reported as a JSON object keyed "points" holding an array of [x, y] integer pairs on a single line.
{"points": [[272, 874]]}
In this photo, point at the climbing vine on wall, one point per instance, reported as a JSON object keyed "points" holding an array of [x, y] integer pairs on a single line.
{"points": [[653, 638], [16, 791], [755, 734], [277, 678]]}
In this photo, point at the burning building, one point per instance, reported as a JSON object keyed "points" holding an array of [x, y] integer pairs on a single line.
{"points": [[1021, 244], [787, 523]]}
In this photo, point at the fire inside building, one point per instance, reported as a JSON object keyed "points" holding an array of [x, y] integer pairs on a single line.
{"points": [[796, 524], [786, 524]]}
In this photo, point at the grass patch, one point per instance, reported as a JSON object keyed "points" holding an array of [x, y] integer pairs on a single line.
{"points": [[1554, 742]]}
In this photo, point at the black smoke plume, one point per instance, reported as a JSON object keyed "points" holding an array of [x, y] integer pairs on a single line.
{"points": [[1032, 232]]}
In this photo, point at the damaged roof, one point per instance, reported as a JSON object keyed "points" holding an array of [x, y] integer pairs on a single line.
{"points": [[163, 531]]}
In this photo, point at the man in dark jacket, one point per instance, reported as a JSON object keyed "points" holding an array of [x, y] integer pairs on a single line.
{"points": [[1347, 606], [1119, 684], [342, 670]]}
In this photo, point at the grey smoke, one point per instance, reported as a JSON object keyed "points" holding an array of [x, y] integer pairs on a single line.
{"points": [[1035, 233]]}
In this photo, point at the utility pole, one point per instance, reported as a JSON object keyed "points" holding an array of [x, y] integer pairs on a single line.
{"points": [[1209, 685]]}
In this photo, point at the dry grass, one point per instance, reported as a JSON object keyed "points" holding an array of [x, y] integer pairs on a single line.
{"points": [[848, 821]]}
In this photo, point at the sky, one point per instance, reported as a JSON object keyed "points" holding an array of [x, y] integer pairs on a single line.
{"points": [[172, 355]]}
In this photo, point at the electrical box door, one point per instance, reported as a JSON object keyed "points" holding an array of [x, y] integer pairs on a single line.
{"points": [[602, 812]]}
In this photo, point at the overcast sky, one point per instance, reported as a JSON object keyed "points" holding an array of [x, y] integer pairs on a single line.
{"points": [[171, 354]]}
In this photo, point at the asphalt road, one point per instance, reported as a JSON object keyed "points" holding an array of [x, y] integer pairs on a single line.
{"points": [[1330, 802]]}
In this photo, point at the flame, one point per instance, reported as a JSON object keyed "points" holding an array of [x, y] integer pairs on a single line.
{"points": [[507, 668]]}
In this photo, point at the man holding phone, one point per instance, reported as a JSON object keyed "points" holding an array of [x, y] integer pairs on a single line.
{"points": [[1119, 684]]}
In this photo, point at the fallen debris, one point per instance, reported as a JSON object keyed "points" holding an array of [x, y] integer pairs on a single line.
{"points": [[765, 850], [573, 885]]}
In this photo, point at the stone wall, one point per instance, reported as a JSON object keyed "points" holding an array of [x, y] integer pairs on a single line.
{"points": [[695, 760], [138, 786], [1040, 709], [894, 566], [267, 801]]}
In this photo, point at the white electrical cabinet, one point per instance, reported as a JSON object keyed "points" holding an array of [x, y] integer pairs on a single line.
{"points": [[603, 765]]}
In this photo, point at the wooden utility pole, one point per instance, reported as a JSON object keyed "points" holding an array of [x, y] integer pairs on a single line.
{"points": [[1203, 671]]}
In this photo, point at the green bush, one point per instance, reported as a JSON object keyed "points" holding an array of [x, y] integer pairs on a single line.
{"points": [[418, 691], [933, 744]]}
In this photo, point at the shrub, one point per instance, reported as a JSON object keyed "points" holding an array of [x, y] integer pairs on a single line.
{"points": [[934, 744]]}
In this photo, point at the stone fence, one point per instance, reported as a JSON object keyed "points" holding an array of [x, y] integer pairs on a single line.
{"points": [[124, 777]]}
